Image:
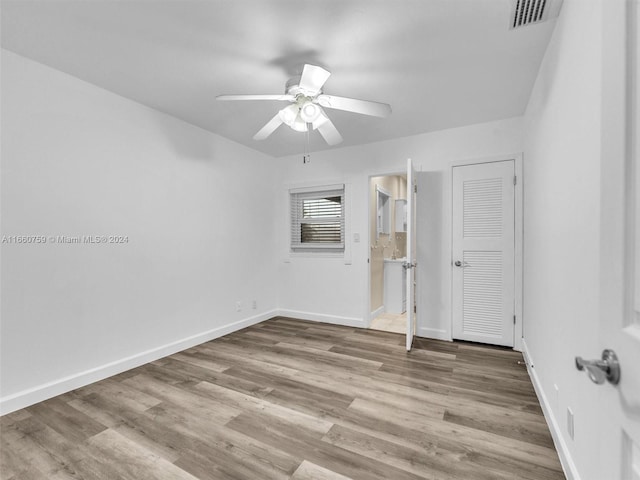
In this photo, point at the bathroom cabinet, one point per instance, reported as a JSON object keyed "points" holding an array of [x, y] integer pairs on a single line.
{"points": [[395, 286]]}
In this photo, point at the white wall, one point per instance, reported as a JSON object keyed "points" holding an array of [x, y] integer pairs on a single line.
{"points": [[336, 289], [562, 163], [78, 160]]}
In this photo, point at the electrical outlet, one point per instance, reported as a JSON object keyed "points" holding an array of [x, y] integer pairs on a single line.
{"points": [[254, 304], [570, 423], [238, 306]]}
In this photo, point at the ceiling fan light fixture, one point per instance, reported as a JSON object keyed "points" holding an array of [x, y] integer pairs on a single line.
{"points": [[308, 103], [309, 112], [288, 115], [299, 125]]}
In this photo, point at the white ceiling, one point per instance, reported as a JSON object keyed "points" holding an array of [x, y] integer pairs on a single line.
{"points": [[439, 63]]}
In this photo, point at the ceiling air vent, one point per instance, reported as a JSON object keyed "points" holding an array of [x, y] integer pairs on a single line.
{"points": [[528, 12]]}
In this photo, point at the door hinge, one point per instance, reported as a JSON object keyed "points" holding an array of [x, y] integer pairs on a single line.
{"points": [[514, 319], [415, 309], [515, 179], [415, 189]]}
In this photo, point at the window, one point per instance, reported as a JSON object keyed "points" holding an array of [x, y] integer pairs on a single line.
{"points": [[317, 218]]}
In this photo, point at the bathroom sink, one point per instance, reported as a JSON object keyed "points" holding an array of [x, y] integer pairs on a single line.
{"points": [[398, 260]]}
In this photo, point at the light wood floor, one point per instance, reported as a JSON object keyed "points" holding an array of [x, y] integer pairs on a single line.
{"points": [[288, 399]]}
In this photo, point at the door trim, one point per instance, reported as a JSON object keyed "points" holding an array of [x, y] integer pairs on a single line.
{"points": [[369, 315], [518, 330]]}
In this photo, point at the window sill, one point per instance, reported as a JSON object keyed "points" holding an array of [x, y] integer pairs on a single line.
{"points": [[316, 254]]}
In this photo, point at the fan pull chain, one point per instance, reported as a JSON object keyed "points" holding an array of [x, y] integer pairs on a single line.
{"points": [[306, 158]]}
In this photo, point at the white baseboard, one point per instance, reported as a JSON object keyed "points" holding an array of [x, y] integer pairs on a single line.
{"points": [[16, 401], [435, 333], [321, 317], [376, 312], [569, 467]]}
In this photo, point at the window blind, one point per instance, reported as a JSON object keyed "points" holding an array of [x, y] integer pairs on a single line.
{"points": [[317, 218]]}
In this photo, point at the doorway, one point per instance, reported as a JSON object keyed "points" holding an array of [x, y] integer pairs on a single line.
{"points": [[388, 250], [485, 262]]}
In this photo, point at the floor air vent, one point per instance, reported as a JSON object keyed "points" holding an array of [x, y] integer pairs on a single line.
{"points": [[528, 12]]}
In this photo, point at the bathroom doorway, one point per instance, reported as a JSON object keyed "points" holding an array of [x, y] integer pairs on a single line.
{"points": [[388, 250]]}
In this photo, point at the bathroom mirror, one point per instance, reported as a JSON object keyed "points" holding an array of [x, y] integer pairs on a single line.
{"points": [[383, 209]]}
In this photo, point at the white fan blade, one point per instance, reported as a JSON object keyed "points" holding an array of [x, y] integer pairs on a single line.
{"points": [[313, 78], [364, 107], [269, 128], [289, 98], [328, 130]]}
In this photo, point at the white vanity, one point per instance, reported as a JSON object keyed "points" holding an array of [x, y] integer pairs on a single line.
{"points": [[395, 286]]}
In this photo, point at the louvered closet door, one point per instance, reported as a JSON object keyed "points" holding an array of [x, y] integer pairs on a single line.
{"points": [[483, 253]]}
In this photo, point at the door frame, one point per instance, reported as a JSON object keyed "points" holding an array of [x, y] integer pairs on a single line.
{"points": [[518, 330], [392, 172]]}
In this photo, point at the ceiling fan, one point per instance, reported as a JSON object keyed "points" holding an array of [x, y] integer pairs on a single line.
{"points": [[305, 113]]}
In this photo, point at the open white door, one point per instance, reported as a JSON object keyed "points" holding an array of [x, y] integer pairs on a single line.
{"points": [[619, 442], [410, 265]]}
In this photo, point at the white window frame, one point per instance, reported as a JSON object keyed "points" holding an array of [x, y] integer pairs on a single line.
{"points": [[296, 220]]}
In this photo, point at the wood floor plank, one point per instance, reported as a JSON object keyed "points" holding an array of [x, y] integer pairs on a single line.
{"points": [[371, 424], [189, 400], [243, 360], [191, 375], [303, 341], [297, 360], [181, 436], [128, 422], [43, 449], [467, 435], [504, 425], [331, 397], [431, 345], [216, 449], [27, 473], [164, 435], [425, 434], [395, 356], [430, 464], [412, 460], [315, 450], [223, 450], [526, 403], [202, 360], [132, 461], [224, 466], [291, 399], [482, 458], [311, 471], [71, 424], [247, 403], [375, 337], [129, 397], [10, 418], [106, 417], [310, 325]]}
